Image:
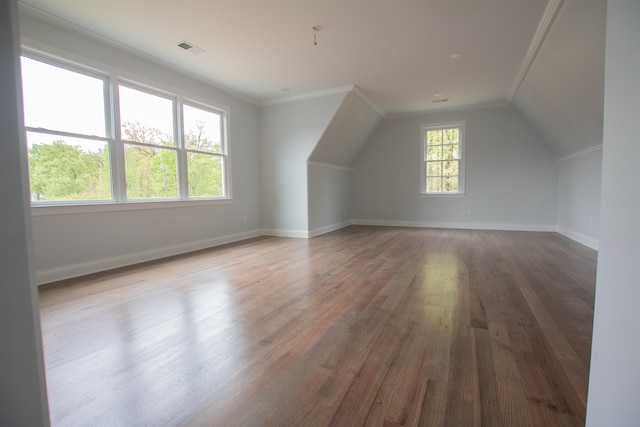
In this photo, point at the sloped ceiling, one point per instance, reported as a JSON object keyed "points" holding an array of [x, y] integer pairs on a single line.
{"points": [[351, 127], [562, 94], [398, 52]]}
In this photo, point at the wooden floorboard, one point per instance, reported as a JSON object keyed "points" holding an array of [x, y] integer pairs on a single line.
{"points": [[380, 326]]}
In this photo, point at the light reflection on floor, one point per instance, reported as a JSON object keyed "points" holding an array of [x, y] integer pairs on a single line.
{"points": [[169, 371]]}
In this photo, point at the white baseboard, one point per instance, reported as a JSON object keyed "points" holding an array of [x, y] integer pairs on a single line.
{"points": [[458, 225], [305, 234], [580, 238], [299, 234], [95, 266], [329, 228]]}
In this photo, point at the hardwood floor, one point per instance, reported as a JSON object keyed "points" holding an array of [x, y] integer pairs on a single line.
{"points": [[363, 326]]}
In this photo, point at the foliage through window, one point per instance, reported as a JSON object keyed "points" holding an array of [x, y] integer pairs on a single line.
{"points": [[69, 155], [203, 143], [161, 148], [443, 167]]}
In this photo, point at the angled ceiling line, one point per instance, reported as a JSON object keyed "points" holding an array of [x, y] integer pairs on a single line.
{"points": [[546, 22], [73, 28]]}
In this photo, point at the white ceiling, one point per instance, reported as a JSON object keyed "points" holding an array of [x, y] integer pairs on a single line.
{"points": [[397, 52], [563, 93]]}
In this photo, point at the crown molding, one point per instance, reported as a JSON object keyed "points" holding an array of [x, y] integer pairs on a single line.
{"points": [[580, 153], [329, 166], [307, 95], [362, 97], [546, 22], [70, 27], [480, 106]]}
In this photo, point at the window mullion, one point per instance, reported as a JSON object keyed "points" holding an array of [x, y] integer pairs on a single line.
{"points": [[118, 178], [183, 184]]}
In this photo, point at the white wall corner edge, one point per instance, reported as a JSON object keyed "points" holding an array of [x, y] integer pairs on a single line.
{"points": [[96, 266], [279, 232], [329, 228], [587, 241]]}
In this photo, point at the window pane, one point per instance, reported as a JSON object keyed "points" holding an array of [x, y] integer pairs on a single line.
{"points": [[450, 152], [145, 118], [150, 172], [434, 153], [434, 168], [434, 184], [451, 136], [62, 100], [434, 137], [205, 175], [450, 168], [451, 183], [202, 130], [65, 168]]}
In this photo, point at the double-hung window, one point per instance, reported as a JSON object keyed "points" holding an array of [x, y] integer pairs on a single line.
{"points": [[69, 156], [150, 150], [93, 138], [443, 158], [204, 148]]}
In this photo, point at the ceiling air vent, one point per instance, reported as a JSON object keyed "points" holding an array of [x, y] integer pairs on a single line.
{"points": [[437, 101], [190, 47]]}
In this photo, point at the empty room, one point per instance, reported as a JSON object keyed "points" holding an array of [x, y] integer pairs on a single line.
{"points": [[299, 213]]}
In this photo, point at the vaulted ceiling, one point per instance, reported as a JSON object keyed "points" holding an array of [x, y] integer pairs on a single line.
{"points": [[403, 56]]}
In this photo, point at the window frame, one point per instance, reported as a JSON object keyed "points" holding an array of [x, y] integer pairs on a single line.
{"points": [[119, 200], [224, 148], [460, 125]]}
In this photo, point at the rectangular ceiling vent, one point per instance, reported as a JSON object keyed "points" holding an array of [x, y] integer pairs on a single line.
{"points": [[437, 101], [190, 47]]}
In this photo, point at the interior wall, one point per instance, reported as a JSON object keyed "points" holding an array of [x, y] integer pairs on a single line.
{"points": [[614, 384], [562, 92], [83, 242], [289, 132], [23, 400], [349, 130], [329, 170], [579, 197], [511, 175], [329, 198]]}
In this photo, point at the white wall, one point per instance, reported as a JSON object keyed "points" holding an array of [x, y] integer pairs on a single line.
{"points": [[614, 385], [511, 175], [561, 94], [579, 197], [289, 133], [330, 164], [347, 133], [329, 203], [23, 400], [73, 244]]}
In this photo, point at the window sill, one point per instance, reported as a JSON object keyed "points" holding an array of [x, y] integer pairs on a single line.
{"points": [[426, 195], [66, 209]]}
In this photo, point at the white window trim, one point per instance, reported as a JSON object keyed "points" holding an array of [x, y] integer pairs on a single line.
{"points": [[118, 202], [461, 124]]}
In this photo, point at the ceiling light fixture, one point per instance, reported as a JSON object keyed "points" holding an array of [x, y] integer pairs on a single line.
{"points": [[316, 28], [456, 55]]}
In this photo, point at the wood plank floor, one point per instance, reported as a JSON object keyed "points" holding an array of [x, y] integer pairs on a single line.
{"points": [[364, 326]]}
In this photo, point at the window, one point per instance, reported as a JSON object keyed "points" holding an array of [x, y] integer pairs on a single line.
{"points": [[443, 158], [153, 146], [203, 144], [150, 154], [69, 156]]}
